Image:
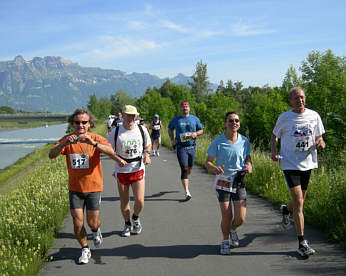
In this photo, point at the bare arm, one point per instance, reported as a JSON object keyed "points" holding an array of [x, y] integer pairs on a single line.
{"points": [[248, 164], [320, 144], [171, 136], [146, 155], [211, 167], [274, 147]]}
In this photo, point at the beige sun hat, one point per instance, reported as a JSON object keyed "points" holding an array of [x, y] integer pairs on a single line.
{"points": [[130, 109]]}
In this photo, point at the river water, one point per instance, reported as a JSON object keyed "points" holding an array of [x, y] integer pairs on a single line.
{"points": [[18, 143]]}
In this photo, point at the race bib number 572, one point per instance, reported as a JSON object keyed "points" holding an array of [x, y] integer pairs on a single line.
{"points": [[79, 161]]}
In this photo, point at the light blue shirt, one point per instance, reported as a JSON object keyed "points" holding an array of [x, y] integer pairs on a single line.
{"points": [[232, 156]]}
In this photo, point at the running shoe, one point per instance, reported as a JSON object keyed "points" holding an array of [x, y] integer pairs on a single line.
{"points": [[304, 249], [154, 153], [137, 227], [285, 216], [86, 255], [234, 238], [225, 248], [157, 153], [187, 196], [127, 231], [97, 238]]}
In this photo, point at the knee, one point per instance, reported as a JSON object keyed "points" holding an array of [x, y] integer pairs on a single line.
{"points": [[78, 223], [239, 221], [93, 223], [184, 173], [298, 203]]}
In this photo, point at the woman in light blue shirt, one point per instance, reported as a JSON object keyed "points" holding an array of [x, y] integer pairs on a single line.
{"points": [[232, 153]]}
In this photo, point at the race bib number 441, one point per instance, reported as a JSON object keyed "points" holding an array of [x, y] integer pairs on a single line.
{"points": [[79, 161], [302, 143]]}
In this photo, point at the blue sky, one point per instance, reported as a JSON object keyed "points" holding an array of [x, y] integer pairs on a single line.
{"points": [[245, 40]]}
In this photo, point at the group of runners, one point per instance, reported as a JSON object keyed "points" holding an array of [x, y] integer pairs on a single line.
{"points": [[228, 157]]}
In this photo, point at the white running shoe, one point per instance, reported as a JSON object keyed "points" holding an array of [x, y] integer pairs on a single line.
{"points": [[305, 250], [225, 248], [97, 238], [234, 238], [154, 153], [127, 231], [157, 153], [137, 227], [187, 196], [86, 255], [285, 217]]}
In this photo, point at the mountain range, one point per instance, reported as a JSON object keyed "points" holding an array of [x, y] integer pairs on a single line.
{"points": [[54, 84]]}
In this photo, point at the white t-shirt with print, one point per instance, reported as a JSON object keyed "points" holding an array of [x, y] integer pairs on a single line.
{"points": [[129, 146], [297, 132]]}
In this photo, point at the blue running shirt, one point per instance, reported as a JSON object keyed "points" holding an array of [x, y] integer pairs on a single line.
{"points": [[232, 156], [184, 126]]}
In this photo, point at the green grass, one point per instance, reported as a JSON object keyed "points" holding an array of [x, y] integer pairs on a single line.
{"points": [[27, 124]]}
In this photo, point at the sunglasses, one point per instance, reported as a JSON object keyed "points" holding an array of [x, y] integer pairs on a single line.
{"points": [[233, 121], [80, 122]]}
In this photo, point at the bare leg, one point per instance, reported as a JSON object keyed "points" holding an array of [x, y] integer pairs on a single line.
{"points": [[78, 226], [226, 218], [124, 200]]}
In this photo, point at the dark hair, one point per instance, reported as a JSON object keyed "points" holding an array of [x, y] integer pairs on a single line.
{"points": [[80, 111], [229, 113]]}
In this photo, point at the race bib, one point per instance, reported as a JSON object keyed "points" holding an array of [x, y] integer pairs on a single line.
{"points": [[157, 127], [225, 182], [185, 137], [302, 143], [79, 161]]}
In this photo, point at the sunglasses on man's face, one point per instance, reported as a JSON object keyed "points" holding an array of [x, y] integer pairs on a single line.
{"points": [[80, 122], [233, 121]]}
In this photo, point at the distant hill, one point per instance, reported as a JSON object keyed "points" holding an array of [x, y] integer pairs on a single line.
{"points": [[58, 85]]}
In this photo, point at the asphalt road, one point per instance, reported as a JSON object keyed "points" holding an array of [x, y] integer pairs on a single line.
{"points": [[182, 238]]}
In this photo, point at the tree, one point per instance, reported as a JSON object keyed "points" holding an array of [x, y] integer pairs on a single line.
{"points": [[324, 80], [200, 85], [119, 99], [291, 79]]}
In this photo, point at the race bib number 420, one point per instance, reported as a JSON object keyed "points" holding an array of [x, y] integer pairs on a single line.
{"points": [[225, 182], [184, 137], [79, 161]]}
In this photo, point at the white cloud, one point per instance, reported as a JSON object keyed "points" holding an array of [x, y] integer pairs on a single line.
{"points": [[173, 26], [241, 29], [136, 25], [114, 47]]}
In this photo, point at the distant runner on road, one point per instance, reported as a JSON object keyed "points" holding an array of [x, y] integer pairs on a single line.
{"points": [[232, 153], [82, 150], [300, 131], [187, 128], [156, 126], [132, 145]]}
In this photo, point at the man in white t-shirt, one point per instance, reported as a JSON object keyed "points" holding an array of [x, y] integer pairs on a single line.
{"points": [[300, 131], [132, 146]]}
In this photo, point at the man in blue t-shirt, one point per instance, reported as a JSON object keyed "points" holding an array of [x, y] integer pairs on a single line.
{"points": [[187, 128]]}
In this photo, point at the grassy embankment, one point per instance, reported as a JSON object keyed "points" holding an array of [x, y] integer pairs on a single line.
{"points": [[33, 204], [27, 124], [325, 205]]}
